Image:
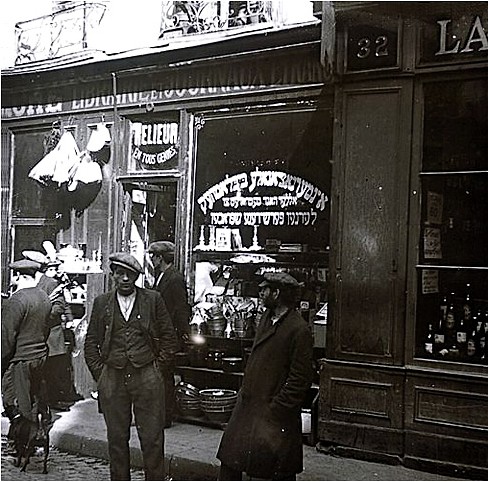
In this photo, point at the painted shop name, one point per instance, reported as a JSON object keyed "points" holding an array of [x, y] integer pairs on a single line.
{"points": [[451, 42]]}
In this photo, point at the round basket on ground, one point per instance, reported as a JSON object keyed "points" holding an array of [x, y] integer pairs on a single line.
{"points": [[218, 417], [217, 394]]}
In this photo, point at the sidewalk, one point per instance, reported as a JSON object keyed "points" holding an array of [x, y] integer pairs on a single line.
{"points": [[190, 450]]}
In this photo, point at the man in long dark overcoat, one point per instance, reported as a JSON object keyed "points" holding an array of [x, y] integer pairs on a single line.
{"points": [[264, 435], [129, 336], [171, 285]]}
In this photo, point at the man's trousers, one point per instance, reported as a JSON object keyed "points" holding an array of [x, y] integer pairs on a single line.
{"points": [[122, 392]]}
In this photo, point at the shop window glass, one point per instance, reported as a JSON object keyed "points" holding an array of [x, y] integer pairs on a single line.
{"points": [[29, 199], [452, 308]]}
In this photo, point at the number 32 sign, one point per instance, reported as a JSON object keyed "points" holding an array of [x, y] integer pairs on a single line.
{"points": [[371, 48]]}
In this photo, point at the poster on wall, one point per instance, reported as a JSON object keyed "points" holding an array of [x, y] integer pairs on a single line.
{"points": [[154, 145], [263, 182]]}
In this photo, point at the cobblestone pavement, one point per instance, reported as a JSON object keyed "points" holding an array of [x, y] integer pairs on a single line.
{"points": [[61, 466]]}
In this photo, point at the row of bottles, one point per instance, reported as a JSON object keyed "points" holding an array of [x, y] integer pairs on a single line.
{"points": [[460, 332]]}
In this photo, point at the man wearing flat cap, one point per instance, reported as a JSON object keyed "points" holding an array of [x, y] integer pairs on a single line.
{"points": [[264, 435], [59, 384], [172, 287], [24, 351], [129, 338]]}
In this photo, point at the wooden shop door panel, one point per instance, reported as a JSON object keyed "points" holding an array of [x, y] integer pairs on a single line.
{"points": [[371, 242]]}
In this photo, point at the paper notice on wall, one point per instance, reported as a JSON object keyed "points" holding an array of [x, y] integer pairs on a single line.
{"points": [[432, 243], [430, 281], [435, 202]]}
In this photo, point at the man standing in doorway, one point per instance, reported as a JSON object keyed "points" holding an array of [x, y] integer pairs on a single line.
{"points": [[171, 284], [129, 340], [264, 435], [24, 351]]}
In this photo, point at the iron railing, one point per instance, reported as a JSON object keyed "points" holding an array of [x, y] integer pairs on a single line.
{"points": [[63, 32], [182, 18]]}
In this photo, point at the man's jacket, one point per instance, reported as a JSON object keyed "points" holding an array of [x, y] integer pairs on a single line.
{"points": [[149, 312]]}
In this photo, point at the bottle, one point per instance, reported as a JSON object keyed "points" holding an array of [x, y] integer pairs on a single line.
{"points": [[472, 353], [429, 343], [467, 308], [483, 346], [451, 344], [462, 337], [439, 333]]}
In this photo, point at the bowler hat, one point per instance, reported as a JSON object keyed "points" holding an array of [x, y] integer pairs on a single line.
{"points": [[159, 247], [125, 260], [279, 279], [25, 266]]}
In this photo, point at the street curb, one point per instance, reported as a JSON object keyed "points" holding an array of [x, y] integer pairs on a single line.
{"points": [[176, 466]]}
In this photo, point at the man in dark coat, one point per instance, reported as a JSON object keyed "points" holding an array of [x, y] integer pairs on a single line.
{"points": [[264, 435], [58, 371], [129, 338], [171, 284], [24, 351]]}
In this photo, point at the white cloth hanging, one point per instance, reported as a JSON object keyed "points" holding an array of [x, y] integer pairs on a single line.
{"points": [[99, 137], [55, 166], [86, 171]]}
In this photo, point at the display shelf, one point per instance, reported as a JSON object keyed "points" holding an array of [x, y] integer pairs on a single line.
{"points": [[296, 259]]}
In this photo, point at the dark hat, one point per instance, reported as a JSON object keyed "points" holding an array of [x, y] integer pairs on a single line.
{"points": [[36, 256], [159, 247], [25, 266], [53, 262], [125, 260], [279, 279]]}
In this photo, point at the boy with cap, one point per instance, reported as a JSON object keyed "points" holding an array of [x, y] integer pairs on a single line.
{"points": [[24, 332], [264, 436], [129, 337], [172, 287]]}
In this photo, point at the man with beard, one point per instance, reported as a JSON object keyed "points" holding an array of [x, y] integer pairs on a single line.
{"points": [[264, 437]]}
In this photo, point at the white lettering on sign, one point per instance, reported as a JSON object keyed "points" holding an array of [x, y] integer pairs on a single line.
{"points": [[152, 159], [476, 40], [267, 218], [299, 189], [154, 134]]}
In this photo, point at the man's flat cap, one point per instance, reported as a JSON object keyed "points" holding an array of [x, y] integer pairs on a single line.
{"points": [[280, 280], [25, 266], [159, 247], [36, 256], [125, 260], [53, 262]]}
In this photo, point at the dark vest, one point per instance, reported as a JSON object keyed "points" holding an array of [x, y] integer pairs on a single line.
{"points": [[128, 343]]}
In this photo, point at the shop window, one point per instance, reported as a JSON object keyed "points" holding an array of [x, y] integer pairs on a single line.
{"points": [[452, 307], [29, 198]]}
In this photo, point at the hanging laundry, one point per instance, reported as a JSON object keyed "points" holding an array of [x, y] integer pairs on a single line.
{"points": [[55, 166], [86, 171], [99, 144]]}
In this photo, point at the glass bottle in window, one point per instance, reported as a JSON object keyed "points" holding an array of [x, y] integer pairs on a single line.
{"points": [[429, 342], [439, 333], [451, 349]]}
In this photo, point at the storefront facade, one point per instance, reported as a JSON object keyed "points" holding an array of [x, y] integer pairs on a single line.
{"points": [[368, 187], [226, 155], [409, 252]]}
